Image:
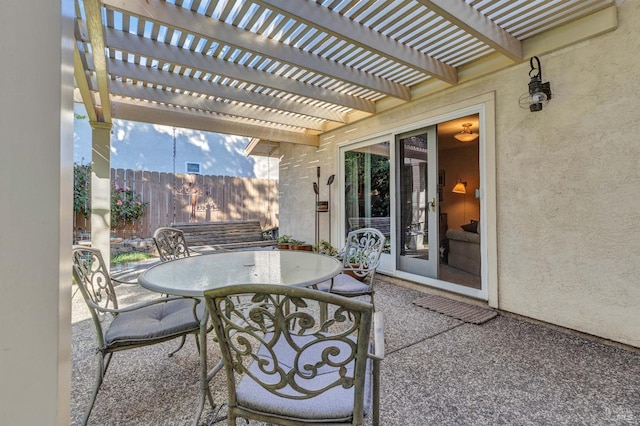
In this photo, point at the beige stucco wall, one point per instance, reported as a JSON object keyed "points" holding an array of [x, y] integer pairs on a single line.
{"points": [[298, 171], [567, 183]]}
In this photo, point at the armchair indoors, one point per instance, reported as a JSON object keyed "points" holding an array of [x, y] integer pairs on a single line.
{"points": [[131, 327], [285, 366], [361, 257]]}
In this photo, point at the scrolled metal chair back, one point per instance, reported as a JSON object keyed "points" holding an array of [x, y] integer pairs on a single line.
{"points": [[170, 243], [273, 334], [92, 277], [362, 251]]}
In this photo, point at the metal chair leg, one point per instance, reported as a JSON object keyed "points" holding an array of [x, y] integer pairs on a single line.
{"points": [[376, 393], [205, 392], [183, 339], [102, 369]]}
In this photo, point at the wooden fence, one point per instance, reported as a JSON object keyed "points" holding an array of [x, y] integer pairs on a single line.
{"points": [[194, 198]]}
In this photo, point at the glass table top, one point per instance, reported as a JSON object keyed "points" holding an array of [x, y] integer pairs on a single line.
{"points": [[192, 276]]}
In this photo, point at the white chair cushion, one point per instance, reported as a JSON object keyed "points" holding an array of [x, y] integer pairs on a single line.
{"points": [[345, 284], [336, 404], [153, 322]]}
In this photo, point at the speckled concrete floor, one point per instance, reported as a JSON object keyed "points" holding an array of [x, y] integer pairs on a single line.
{"points": [[437, 370]]}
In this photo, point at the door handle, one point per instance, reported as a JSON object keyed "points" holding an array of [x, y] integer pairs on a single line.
{"points": [[432, 204]]}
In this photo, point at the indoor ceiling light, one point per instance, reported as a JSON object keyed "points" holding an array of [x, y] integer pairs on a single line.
{"points": [[460, 188], [539, 92], [466, 135]]}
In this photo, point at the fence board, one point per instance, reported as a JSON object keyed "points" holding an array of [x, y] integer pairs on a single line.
{"points": [[218, 198]]}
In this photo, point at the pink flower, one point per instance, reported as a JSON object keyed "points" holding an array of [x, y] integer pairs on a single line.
{"points": [[119, 202], [138, 203], [126, 188]]}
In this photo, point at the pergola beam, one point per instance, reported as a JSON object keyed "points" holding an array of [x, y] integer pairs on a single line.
{"points": [[205, 104], [175, 81], [343, 28], [82, 81], [475, 23], [96, 37], [138, 45], [211, 29], [130, 109]]}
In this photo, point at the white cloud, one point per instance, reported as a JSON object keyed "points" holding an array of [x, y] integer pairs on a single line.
{"points": [[122, 129], [199, 140], [266, 168]]}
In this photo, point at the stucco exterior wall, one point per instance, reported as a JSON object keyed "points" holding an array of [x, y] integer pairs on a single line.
{"points": [[567, 183], [568, 190], [298, 167]]}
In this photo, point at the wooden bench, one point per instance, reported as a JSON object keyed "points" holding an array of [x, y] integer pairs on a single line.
{"points": [[382, 224], [205, 236]]}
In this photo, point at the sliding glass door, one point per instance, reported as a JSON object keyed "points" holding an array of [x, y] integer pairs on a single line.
{"points": [[367, 187], [418, 205], [408, 184]]}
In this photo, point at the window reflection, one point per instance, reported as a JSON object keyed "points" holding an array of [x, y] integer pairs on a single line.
{"points": [[367, 189]]}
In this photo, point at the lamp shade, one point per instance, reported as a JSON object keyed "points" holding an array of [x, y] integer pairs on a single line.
{"points": [[466, 135], [460, 188]]}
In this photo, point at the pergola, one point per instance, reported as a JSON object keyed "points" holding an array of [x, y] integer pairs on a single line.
{"points": [[585, 280], [287, 71]]}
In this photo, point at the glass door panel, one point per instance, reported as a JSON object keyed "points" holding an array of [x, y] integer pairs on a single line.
{"points": [[417, 230], [367, 189]]}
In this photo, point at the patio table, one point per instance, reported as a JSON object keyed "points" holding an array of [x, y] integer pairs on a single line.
{"points": [[193, 276]]}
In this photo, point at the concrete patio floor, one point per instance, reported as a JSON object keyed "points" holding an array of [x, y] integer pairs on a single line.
{"points": [[437, 370]]}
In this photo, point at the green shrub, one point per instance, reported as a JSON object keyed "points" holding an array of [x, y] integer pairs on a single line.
{"points": [[126, 206], [81, 189]]}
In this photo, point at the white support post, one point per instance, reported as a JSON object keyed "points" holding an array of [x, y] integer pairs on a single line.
{"points": [[101, 188]]}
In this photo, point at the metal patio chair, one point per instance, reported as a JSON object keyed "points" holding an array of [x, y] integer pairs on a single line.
{"points": [[287, 366], [360, 257], [143, 324], [170, 243]]}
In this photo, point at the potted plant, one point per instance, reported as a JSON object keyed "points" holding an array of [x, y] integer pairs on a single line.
{"points": [[300, 245], [354, 260], [284, 242], [325, 247]]}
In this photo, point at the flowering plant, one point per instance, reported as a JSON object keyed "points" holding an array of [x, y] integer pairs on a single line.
{"points": [[126, 206], [81, 187]]}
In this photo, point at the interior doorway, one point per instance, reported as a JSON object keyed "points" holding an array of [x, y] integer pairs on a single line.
{"points": [[438, 179], [459, 201]]}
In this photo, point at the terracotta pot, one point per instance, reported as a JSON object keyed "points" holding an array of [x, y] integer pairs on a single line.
{"points": [[353, 274], [305, 247], [283, 246]]}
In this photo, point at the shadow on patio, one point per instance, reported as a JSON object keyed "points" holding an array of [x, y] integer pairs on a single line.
{"points": [[437, 370]]}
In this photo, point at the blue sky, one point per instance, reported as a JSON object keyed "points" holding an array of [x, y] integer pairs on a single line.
{"points": [[143, 146]]}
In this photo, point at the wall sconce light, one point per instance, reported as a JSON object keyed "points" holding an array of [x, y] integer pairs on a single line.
{"points": [[460, 187], [539, 92], [466, 135]]}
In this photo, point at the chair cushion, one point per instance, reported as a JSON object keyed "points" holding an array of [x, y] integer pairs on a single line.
{"points": [[335, 404], [345, 284], [154, 322]]}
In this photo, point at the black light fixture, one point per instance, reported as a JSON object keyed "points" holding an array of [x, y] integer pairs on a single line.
{"points": [[329, 182], [539, 93]]}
